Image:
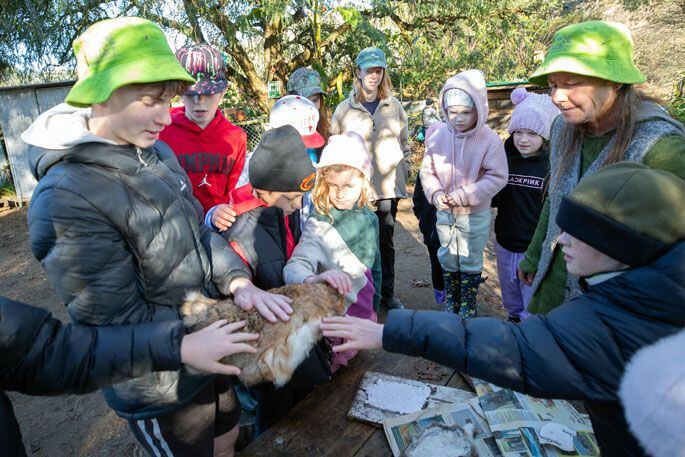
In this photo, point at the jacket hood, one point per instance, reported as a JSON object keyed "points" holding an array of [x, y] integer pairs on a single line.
{"points": [[473, 83], [61, 127], [655, 291], [215, 127], [653, 111], [61, 135]]}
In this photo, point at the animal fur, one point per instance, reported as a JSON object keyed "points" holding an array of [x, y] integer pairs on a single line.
{"points": [[281, 346]]}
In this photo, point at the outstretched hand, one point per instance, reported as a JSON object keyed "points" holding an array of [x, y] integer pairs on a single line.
{"points": [[358, 333], [339, 280], [204, 348]]}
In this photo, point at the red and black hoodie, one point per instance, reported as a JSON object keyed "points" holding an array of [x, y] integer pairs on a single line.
{"points": [[212, 157]]}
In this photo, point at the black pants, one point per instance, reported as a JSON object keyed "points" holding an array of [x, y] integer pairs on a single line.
{"points": [[10, 436], [436, 269], [387, 214]]}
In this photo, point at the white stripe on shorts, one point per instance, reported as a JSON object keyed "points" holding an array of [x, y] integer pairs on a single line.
{"points": [[157, 432], [148, 438]]}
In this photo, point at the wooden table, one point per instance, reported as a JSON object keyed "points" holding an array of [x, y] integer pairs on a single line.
{"points": [[318, 425]]}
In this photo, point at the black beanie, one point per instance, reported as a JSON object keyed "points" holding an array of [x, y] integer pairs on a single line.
{"points": [[628, 211], [281, 163]]}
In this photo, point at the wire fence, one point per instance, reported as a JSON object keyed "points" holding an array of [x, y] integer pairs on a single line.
{"points": [[254, 129]]}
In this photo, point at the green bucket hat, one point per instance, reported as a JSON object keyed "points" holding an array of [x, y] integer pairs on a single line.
{"points": [[305, 82], [117, 52], [371, 57], [599, 49]]}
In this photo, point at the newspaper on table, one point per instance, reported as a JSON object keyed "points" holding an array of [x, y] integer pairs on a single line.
{"points": [[403, 431], [381, 396], [516, 421]]}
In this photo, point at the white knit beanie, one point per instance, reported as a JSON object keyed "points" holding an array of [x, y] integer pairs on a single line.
{"points": [[653, 396], [346, 149], [532, 112]]}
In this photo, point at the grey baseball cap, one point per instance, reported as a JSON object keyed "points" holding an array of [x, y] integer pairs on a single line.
{"points": [[305, 82]]}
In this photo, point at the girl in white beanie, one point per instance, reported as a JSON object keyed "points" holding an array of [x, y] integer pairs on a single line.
{"points": [[339, 244]]}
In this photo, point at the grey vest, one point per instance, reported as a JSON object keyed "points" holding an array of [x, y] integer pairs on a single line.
{"points": [[647, 133]]}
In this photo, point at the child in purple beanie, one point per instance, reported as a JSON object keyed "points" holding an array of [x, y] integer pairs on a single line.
{"points": [[520, 202]]}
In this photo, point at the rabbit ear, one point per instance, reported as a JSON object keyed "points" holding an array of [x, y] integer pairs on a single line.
{"points": [[195, 303]]}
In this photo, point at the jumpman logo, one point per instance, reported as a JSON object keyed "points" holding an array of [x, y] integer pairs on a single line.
{"points": [[204, 182]]}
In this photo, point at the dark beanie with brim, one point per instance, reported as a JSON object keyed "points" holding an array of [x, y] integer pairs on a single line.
{"points": [[281, 163], [628, 211]]}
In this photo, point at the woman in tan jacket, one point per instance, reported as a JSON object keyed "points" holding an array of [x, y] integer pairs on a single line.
{"points": [[373, 112]]}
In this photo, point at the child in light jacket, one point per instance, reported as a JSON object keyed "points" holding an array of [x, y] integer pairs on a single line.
{"points": [[339, 244], [463, 168]]}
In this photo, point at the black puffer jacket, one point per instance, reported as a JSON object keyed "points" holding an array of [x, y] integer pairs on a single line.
{"points": [[578, 351], [40, 356], [122, 240], [260, 237]]}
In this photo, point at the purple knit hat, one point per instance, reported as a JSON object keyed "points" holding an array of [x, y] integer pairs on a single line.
{"points": [[532, 112], [206, 65]]}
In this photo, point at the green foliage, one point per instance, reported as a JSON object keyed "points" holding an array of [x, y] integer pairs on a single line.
{"points": [[426, 41], [7, 190], [678, 101]]}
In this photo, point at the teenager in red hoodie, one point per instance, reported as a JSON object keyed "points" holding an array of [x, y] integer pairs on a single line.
{"points": [[210, 149]]}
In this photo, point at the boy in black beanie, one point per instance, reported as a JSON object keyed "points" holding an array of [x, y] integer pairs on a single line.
{"points": [[265, 232]]}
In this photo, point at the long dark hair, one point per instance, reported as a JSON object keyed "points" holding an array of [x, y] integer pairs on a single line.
{"points": [[628, 101]]}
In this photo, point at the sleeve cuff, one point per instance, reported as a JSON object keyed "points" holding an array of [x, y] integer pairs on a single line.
{"points": [[208, 219]]}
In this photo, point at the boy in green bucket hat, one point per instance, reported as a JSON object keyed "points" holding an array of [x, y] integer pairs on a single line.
{"points": [[120, 235]]}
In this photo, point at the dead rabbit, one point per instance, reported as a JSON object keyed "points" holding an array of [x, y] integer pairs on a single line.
{"points": [[282, 346]]}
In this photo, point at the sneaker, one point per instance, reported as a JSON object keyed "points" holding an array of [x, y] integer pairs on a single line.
{"points": [[393, 303]]}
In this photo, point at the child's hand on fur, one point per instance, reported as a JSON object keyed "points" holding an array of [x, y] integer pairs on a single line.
{"points": [[203, 349], [337, 279], [441, 202], [271, 306], [223, 217], [358, 333]]}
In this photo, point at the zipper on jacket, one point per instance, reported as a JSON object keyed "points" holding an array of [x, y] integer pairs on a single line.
{"points": [[140, 156]]}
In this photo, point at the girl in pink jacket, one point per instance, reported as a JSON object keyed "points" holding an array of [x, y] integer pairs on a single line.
{"points": [[463, 168]]}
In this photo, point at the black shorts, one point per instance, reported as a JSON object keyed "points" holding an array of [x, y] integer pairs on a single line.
{"points": [[190, 431]]}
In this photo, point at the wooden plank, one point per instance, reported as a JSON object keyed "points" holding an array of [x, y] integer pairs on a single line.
{"points": [[318, 426], [51, 96], [20, 108]]}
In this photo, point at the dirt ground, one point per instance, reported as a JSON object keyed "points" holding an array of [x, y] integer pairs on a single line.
{"points": [[83, 425]]}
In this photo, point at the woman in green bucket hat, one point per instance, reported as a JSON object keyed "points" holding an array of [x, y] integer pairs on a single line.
{"points": [[591, 74]]}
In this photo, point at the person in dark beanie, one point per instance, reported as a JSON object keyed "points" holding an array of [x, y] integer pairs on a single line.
{"points": [[623, 233], [264, 235]]}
